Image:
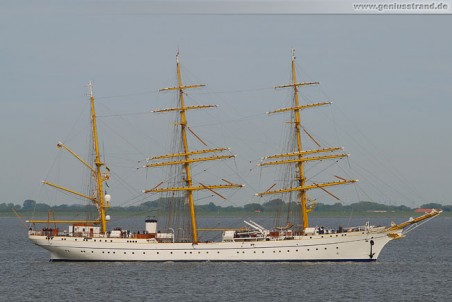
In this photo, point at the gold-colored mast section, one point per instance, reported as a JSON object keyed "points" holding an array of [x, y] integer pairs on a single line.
{"points": [[100, 201], [298, 157], [98, 197], [186, 158]]}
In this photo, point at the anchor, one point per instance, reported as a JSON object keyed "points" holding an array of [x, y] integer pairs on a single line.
{"points": [[371, 255]]}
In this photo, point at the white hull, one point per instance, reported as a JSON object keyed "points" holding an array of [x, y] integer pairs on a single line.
{"points": [[351, 246]]}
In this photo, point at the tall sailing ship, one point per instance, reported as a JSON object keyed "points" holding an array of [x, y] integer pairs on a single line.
{"points": [[290, 240]]}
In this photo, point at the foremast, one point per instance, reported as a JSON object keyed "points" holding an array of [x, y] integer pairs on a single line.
{"points": [[299, 156], [186, 158], [98, 198]]}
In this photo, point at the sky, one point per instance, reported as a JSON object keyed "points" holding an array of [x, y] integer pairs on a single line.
{"points": [[388, 76]]}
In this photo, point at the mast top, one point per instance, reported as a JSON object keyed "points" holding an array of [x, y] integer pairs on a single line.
{"points": [[90, 89]]}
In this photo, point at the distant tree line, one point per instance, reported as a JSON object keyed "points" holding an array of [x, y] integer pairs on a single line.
{"points": [[165, 204]]}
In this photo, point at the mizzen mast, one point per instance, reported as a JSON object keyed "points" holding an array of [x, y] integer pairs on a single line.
{"points": [[187, 157], [101, 202], [299, 156], [97, 198]]}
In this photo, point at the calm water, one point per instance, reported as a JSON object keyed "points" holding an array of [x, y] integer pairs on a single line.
{"points": [[416, 268]]}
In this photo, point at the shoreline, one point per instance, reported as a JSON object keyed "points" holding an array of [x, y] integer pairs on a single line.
{"points": [[235, 214]]}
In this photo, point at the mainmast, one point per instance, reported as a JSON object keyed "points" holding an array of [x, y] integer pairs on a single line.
{"points": [[298, 156], [187, 157]]}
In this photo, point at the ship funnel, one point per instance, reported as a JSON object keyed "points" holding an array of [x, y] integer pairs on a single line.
{"points": [[151, 226]]}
